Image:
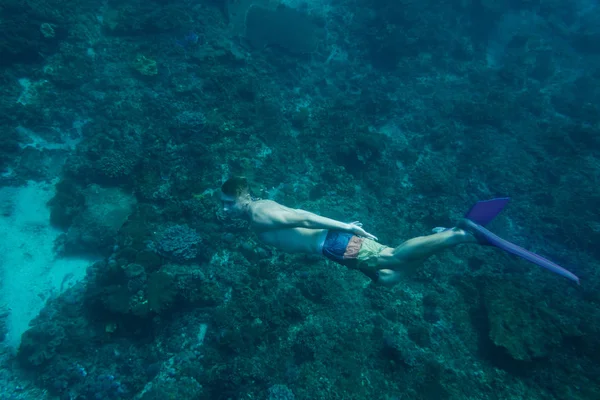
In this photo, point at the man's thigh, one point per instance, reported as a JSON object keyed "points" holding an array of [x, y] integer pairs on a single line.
{"points": [[386, 259], [389, 260]]}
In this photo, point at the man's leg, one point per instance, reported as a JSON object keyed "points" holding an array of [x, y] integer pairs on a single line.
{"points": [[421, 248], [415, 251]]}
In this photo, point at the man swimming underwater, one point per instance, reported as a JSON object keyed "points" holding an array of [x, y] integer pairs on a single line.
{"points": [[298, 231]]}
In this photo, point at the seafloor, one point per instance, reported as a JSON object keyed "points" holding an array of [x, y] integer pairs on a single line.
{"points": [[121, 278]]}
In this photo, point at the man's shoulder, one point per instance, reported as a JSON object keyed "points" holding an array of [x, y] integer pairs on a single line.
{"points": [[266, 204], [265, 212], [264, 201], [261, 209]]}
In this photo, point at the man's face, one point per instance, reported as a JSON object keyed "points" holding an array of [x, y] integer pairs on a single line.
{"points": [[231, 205]]}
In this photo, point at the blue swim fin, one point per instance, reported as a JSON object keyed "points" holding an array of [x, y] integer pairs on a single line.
{"points": [[483, 212]]}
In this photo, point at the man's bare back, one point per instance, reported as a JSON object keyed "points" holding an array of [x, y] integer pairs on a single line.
{"points": [[291, 240]]}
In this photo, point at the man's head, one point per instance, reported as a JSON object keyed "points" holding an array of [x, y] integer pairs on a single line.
{"points": [[235, 195]]}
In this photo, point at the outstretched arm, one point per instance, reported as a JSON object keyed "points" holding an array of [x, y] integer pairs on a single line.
{"points": [[276, 216]]}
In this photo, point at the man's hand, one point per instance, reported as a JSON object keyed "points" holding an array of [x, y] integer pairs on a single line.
{"points": [[356, 229]]}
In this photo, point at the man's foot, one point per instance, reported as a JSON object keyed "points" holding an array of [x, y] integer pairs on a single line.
{"points": [[470, 227], [461, 235]]}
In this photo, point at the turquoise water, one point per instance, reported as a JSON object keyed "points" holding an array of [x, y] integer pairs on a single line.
{"points": [[122, 277]]}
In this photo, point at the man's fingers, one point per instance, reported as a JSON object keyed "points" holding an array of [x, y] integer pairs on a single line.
{"points": [[361, 232], [368, 235]]}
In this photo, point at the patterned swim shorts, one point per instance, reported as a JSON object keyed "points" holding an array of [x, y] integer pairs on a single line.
{"points": [[351, 250]]}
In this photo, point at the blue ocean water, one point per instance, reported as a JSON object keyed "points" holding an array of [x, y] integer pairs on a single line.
{"points": [[127, 274]]}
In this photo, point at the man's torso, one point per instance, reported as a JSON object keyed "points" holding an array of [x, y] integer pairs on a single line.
{"points": [[291, 240], [295, 240], [341, 247]]}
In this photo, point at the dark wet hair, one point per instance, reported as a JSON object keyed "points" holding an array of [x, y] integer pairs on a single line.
{"points": [[235, 186]]}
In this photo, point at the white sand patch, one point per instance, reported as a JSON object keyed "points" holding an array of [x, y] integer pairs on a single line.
{"points": [[29, 270]]}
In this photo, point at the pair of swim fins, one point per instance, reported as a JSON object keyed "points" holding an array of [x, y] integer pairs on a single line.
{"points": [[482, 213]]}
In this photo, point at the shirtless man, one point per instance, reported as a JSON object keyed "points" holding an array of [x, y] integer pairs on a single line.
{"points": [[298, 231]]}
